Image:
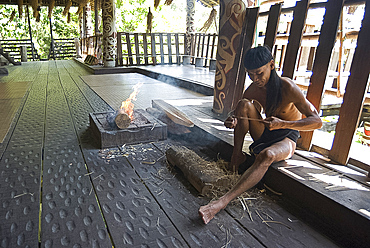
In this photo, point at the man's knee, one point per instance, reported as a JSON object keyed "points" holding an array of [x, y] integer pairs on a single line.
{"points": [[267, 157], [244, 104]]}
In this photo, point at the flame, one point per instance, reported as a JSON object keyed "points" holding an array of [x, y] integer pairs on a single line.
{"points": [[127, 105]]}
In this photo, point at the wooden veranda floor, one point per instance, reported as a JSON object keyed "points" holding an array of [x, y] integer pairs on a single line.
{"points": [[57, 189]]}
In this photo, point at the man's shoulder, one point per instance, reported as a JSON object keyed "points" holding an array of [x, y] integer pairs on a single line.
{"points": [[288, 84]]}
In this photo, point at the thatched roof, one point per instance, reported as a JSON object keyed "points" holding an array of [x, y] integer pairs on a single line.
{"points": [[41, 3]]}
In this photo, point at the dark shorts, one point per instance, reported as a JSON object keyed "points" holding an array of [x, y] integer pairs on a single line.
{"points": [[271, 137]]}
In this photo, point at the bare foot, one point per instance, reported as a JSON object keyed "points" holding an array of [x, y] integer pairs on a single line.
{"points": [[209, 211], [236, 160]]}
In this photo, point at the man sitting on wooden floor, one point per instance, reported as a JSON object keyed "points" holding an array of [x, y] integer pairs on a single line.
{"points": [[274, 137]]}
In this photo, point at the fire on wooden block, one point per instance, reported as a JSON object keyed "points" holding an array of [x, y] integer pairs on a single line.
{"points": [[205, 176], [126, 126], [123, 117], [143, 128]]}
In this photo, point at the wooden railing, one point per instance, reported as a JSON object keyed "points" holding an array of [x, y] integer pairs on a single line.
{"points": [[64, 48], [13, 46], [155, 48], [163, 48]]}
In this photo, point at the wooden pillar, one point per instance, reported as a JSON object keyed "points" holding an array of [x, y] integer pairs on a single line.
{"points": [[52, 48], [295, 37], [354, 95], [233, 41], [88, 24], [88, 29], [23, 52], [272, 25], [328, 35], [109, 33], [30, 32], [96, 17], [190, 29]]}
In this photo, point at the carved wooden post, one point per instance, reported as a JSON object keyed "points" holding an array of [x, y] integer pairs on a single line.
{"points": [[228, 57], [190, 30], [88, 29], [109, 33], [96, 17]]}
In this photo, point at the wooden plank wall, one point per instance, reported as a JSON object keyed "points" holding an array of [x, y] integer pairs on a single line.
{"points": [[354, 95], [272, 25], [327, 39], [295, 37]]}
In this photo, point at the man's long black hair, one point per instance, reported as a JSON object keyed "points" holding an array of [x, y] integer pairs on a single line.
{"points": [[273, 94], [257, 57]]}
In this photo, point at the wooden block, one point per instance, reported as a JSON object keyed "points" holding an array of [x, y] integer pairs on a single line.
{"points": [[108, 136], [193, 166], [173, 113], [3, 71], [172, 127]]}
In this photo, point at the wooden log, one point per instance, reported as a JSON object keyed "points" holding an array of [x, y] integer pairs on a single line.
{"points": [[119, 119], [190, 163]]}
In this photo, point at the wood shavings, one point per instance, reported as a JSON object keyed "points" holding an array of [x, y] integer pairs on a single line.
{"points": [[23, 195], [148, 162], [263, 221], [276, 222], [229, 237], [273, 191]]}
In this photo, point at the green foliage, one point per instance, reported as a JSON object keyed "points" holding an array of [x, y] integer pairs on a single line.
{"points": [[131, 16], [18, 28], [11, 30]]}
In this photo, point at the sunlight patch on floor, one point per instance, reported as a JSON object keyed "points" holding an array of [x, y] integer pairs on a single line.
{"points": [[299, 163], [337, 181]]}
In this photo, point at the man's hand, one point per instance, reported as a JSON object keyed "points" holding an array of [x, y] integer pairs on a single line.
{"points": [[273, 123], [231, 122]]}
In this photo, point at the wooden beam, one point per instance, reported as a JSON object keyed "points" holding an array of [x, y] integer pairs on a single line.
{"points": [[272, 25], [295, 37], [327, 39], [247, 41], [354, 95]]}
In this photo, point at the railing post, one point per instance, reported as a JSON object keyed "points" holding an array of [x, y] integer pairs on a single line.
{"points": [[119, 49], [23, 52], [161, 47], [137, 51], [145, 44], [177, 45], [154, 55], [169, 44]]}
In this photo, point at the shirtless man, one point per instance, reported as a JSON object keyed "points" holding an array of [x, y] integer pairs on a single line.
{"points": [[274, 137]]}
